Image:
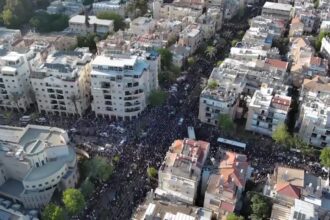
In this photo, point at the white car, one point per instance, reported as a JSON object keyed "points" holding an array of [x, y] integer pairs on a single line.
{"points": [[104, 134], [25, 119], [41, 120], [180, 121]]}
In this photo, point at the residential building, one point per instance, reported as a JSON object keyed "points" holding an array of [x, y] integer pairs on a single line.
{"points": [[109, 6], [277, 10], [62, 83], [180, 54], [14, 81], [303, 210], [226, 185], [296, 28], [191, 37], [325, 47], [325, 26], [9, 36], [223, 97], [35, 161], [164, 210], [313, 122], [180, 173], [175, 11], [274, 27], [267, 110], [81, 24], [121, 84], [67, 7], [142, 25]]}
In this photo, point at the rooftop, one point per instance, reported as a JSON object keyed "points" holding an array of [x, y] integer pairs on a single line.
{"points": [[186, 158], [80, 19], [295, 177], [277, 6]]}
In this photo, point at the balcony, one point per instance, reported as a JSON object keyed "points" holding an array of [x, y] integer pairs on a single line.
{"points": [[108, 103], [132, 109], [50, 90], [55, 107], [53, 102], [60, 97], [107, 97], [105, 85], [130, 98], [59, 91], [62, 108], [52, 96], [109, 109]]}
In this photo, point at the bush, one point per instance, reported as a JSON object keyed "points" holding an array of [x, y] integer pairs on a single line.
{"points": [[118, 21], [98, 168], [152, 172], [44, 22], [74, 201], [53, 212], [87, 188]]}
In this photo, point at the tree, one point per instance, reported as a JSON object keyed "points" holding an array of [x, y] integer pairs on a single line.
{"points": [[325, 157], [53, 212], [152, 172], [157, 98], [44, 22], [166, 58], [191, 60], [16, 13], [98, 168], [280, 134], [118, 21], [8, 17], [87, 188], [234, 42], [225, 122], [318, 39], [88, 2], [210, 51], [232, 216], [74, 201], [212, 84], [87, 41], [74, 98], [261, 207]]}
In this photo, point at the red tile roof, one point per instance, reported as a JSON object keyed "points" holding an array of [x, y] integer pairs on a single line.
{"points": [[288, 190], [277, 63], [227, 206], [315, 61]]}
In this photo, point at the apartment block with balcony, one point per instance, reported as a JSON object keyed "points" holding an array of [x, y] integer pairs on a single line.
{"points": [[62, 83], [223, 97], [277, 10], [313, 123], [15, 88], [35, 161], [121, 84], [267, 109], [180, 173], [226, 184], [81, 24], [191, 37]]}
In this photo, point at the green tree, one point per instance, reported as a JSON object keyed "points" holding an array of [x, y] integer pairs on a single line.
{"points": [[16, 13], [98, 168], [116, 159], [225, 122], [298, 143], [210, 51], [261, 207], [74, 201], [325, 157], [234, 42], [157, 98], [118, 21], [53, 212], [166, 58], [280, 134], [8, 17], [191, 60], [44, 22], [87, 188], [232, 216], [88, 2], [87, 41], [318, 39], [212, 84], [152, 172], [316, 3]]}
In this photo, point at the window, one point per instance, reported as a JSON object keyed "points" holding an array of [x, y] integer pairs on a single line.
{"points": [[214, 202]]}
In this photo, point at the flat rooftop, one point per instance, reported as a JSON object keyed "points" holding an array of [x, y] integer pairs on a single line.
{"points": [[277, 6], [12, 188], [80, 19]]}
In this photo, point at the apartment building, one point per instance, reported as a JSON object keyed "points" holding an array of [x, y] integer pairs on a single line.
{"points": [[267, 109], [14, 81], [121, 84], [175, 11], [62, 83], [180, 173], [291, 189], [109, 6], [226, 185], [325, 26], [142, 25], [9, 36], [191, 37], [296, 28], [313, 122], [35, 161], [277, 10], [222, 98], [81, 24], [164, 210], [325, 47]]}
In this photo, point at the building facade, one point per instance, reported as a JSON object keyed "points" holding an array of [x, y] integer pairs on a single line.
{"points": [[121, 85], [35, 161], [62, 83], [81, 24]]}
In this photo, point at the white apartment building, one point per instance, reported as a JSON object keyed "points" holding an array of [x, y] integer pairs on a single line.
{"points": [[314, 116], [109, 6], [77, 24], [180, 173], [325, 26], [62, 83], [267, 110], [121, 84], [14, 82], [142, 25], [191, 37], [226, 185], [277, 10], [35, 161], [223, 99], [175, 11], [325, 47]]}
